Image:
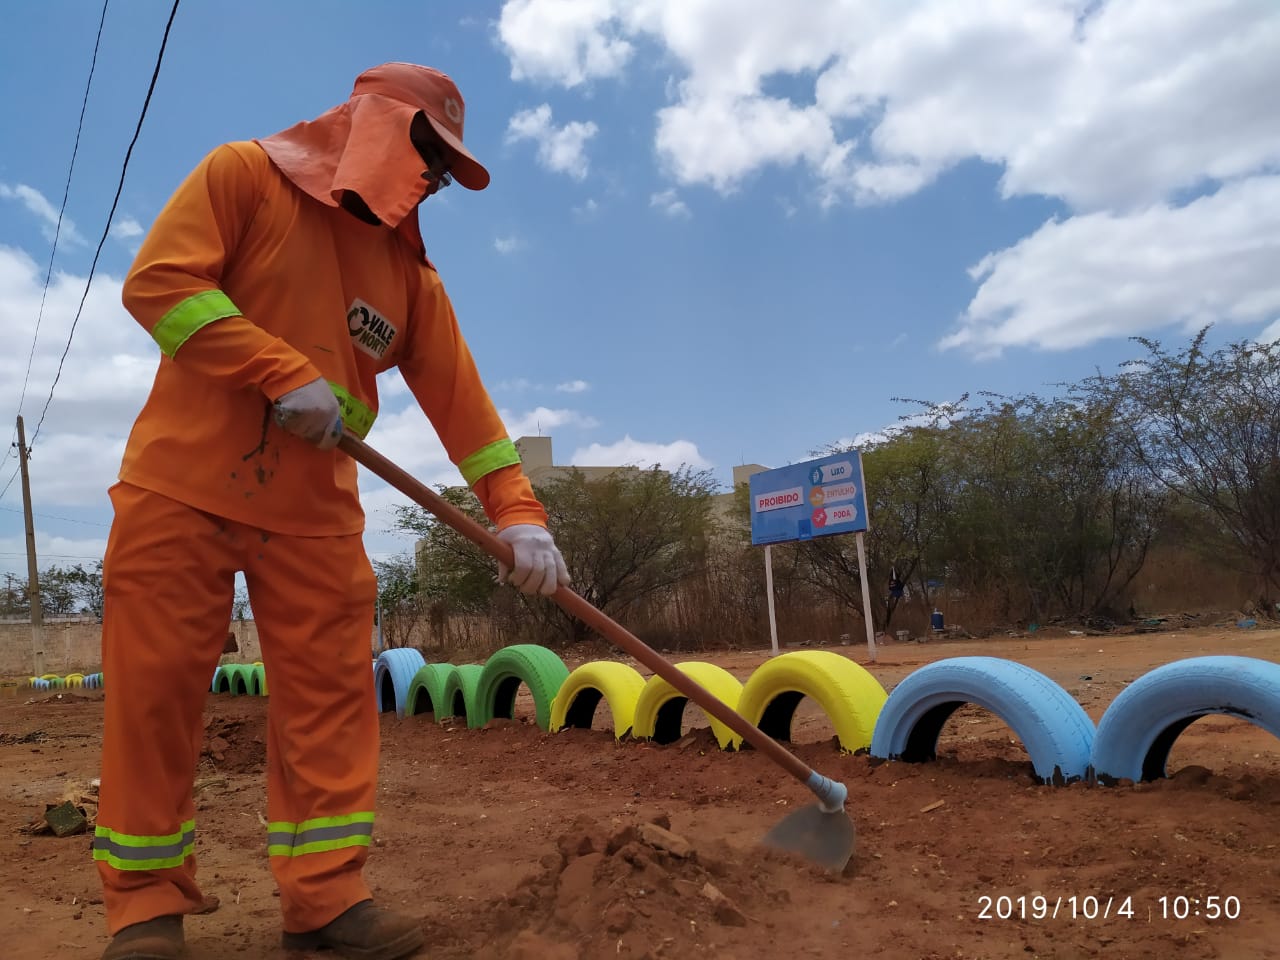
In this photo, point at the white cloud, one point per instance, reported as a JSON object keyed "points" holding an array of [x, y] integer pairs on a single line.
{"points": [[669, 202], [50, 551], [515, 386], [542, 420], [1102, 104], [104, 381], [587, 210], [560, 149], [628, 452], [566, 42], [1118, 274], [1271, 333], [126, 229], [508, 244], [36, 203], [573, 386], [391, 384]]}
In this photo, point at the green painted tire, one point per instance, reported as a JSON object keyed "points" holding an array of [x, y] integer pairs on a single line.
{"points": [[232, 678], [459, 696], [257, 680], [426, 690], [536, 667]]}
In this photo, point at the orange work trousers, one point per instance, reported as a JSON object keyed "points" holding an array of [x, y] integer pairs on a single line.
{"points": [[169, 578]]}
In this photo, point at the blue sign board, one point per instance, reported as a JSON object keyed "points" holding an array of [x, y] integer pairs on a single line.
{"points": [[817, 498]]}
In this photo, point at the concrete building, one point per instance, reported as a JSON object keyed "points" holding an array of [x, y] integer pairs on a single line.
{"points": [[539, 466]]}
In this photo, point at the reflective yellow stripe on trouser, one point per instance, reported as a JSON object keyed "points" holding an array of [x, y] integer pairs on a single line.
{"points": [[356, 416], [320, 834], [129, 852]]}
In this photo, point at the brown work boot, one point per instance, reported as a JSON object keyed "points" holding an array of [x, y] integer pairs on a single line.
{"points": [[363, 932], [158, 939]]}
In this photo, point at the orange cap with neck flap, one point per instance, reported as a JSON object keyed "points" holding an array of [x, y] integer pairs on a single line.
{"points": [[364, 146]]}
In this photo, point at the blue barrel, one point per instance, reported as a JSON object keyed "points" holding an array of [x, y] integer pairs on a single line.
{"points": [[935, 619]]}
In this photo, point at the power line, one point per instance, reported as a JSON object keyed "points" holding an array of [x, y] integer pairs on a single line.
{"points": [[107, 229], [11, 476], [58, 556], [49, 516], [66, 192]]}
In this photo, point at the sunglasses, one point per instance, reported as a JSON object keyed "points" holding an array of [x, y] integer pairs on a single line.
{"points": [[437, 162]]}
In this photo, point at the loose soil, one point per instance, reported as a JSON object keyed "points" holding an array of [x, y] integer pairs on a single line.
{"points": [[512, 843]]}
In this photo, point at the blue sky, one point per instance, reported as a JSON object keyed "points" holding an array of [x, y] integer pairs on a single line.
{"points": [[714, 235]]}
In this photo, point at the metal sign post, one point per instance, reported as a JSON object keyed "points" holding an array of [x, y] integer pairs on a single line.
{"points": [[866, 596], [768, 583]]}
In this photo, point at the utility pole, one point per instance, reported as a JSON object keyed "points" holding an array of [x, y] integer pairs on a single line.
{"points": [[33, 574]]}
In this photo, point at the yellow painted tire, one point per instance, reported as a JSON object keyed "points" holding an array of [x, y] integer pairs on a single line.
{"points": [[256, 676], [576, 701], [660, 705], [850, 696], [74, 679]]}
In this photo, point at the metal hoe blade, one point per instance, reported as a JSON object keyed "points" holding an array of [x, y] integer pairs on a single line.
{"points": [[825, 838]]}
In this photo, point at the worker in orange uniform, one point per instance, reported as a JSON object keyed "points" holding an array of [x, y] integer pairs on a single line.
{"points": [[282, 276]]}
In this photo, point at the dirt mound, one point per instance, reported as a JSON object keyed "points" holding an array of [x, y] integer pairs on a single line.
{"points": [[640, 891], [234, 744]]}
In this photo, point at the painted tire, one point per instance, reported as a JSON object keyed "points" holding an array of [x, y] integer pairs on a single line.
{"points": [[660, 705], [536, 667], [459, 696], [426, 692], [74, 679], [1054, 728], [575, 703], [1140, 726], [392, 674], [238, 678], [257, 680], [850, 696]]}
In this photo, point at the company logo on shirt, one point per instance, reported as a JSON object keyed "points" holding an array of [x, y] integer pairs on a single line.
{"points": [[370, 331]]}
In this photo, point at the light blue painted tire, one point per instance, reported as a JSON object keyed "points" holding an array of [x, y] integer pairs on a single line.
{"points": [[1140, 726], [1054, 728], [393, 675]]}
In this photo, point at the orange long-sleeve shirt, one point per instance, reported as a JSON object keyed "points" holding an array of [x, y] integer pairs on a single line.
{"points": [[252, 289]]}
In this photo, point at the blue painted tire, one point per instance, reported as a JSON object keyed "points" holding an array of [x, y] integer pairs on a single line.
{"points": [[393, 675], [1140, 726], [1054, 728]]}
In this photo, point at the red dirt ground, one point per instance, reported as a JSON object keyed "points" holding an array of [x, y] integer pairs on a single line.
{"points": [[511, 843]]}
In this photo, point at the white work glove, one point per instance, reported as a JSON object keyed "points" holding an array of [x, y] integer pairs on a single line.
{"points": [[539, 567], [311, 412]]}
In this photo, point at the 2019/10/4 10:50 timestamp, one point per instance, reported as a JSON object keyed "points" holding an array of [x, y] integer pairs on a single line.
{"points": [[1039, 906]]}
